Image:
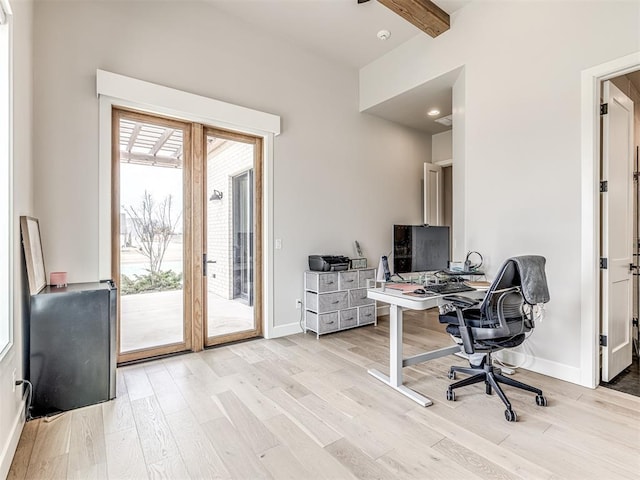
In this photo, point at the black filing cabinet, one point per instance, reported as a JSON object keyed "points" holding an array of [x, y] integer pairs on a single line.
{"points": [[72, 346]]}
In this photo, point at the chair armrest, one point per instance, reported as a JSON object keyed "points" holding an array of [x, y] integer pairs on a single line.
{"points": [[459, 301], [466, 334]]}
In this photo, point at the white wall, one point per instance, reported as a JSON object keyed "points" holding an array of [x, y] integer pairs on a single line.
{"points": [[442, 147], [338, 175], [10, 403], [521, 136]]}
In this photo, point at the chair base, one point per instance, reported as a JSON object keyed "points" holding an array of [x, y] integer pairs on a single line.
{"points": [[492, 378]]}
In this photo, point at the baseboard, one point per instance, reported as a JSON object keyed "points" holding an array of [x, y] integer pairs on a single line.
{"points": [[541, 365], [9, 450], [382, 310], [284, 330]]}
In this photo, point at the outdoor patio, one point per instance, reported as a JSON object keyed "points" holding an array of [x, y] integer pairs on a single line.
{"points": [[152, 319]]}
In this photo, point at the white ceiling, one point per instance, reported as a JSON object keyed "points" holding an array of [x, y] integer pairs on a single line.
{"points": [[346, 32], [410, 108], [341, 30]]}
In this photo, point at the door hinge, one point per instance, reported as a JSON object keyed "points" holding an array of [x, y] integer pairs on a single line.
{"points": [[603, 263], [603, 340], [604, 108], [632, 267], [634, 322], [204, 264], [604, 186]]}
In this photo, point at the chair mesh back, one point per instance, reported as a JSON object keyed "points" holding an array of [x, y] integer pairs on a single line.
{"points": [[512, 303]]}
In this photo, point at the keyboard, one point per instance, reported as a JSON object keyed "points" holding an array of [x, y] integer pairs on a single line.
{"points": [[446, 288]]}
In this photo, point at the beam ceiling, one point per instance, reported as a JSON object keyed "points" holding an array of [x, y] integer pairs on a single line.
{"points": [[424, 14]]}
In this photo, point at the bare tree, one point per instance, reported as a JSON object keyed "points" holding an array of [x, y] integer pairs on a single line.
{"points": [[154, 228]]}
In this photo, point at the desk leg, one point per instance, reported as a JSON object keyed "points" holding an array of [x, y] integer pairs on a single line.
{"points": [[394, 380], [395, 345]]}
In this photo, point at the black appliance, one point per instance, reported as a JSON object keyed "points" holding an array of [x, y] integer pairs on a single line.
{"points": [[328, 263], [72, 346]]}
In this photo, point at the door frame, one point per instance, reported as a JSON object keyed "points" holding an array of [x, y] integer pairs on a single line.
{"points": [[591, 141], [618, 274], [115, 90], [258, 218], [188, 233]]}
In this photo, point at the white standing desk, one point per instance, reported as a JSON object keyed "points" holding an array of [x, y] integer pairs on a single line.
{"points": [[397, 302]]}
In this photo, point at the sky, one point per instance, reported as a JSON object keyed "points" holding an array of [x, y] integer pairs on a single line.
{"points": [[158, 181]]}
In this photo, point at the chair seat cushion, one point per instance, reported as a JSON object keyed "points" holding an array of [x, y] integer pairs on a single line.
{"points": [[503, 342], [471, 315]]}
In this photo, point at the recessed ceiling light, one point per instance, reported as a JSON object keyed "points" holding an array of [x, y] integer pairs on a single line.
{"points": [[384, 34], [433, 112]]}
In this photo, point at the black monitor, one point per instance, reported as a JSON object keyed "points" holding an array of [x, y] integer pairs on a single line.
{"points": [[420, 248]]}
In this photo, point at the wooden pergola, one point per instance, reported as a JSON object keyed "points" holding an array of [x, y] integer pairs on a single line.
{"points": [[146, 143]]}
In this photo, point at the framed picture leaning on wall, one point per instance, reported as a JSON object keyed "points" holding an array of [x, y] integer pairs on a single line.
{"points": [[32, 246]]}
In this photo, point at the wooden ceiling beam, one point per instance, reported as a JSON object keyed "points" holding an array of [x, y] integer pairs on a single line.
{"points": [[424, 14], [161, 141], [146, 159]]}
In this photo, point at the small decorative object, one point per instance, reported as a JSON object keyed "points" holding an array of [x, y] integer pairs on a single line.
{"points": [[358, 263], [30, 230], [456, 266], [384, 275], [358, 249], [58, 279]]}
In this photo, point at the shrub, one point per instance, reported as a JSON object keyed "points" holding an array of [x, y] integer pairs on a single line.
{"points": [[151, 282]]}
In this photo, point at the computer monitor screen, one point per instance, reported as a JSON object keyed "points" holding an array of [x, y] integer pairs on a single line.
{"points": [[420, 248]]}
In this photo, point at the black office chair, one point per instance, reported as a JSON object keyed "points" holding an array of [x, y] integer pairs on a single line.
{"points": [[500, 321]]}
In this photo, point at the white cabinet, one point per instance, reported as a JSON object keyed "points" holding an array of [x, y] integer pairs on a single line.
{"points": [[338, 300]]}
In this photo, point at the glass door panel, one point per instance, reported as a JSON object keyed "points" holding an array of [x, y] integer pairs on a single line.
{"points": [[230, 237], [149, 248]]}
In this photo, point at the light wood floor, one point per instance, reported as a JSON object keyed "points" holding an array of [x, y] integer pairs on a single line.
{"points": [[302, 408]]}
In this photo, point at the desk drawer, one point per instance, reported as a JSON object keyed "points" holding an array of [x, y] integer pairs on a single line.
{"points": [[358, 297]]}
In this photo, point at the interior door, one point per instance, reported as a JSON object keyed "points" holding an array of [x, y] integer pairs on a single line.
{"points": [[433, 191], [232, 236], [617, 231]]}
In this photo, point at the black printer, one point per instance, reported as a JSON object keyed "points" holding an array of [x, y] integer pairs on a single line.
{"points": [[328, 263]]}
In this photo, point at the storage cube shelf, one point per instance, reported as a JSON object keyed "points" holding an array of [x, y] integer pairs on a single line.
{"points": [[336, 301]]}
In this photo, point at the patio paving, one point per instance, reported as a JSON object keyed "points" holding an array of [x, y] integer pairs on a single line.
{"points": [[153, 319]]}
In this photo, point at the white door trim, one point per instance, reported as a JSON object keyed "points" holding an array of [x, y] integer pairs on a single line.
{"points": [[119, 90], [590, 221]]}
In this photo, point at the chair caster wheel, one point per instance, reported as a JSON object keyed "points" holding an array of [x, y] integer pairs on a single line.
{"points": [[510, 415], [541, 401], [451, 395], [451, 375]]}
